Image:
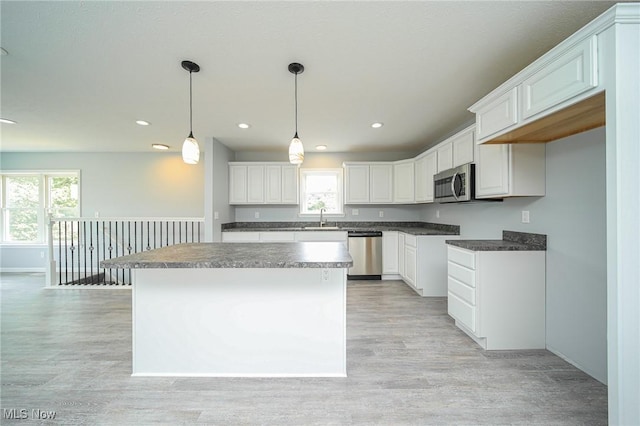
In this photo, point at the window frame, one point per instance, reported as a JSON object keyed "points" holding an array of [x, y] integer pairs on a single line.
{"points": [[339, 173], [44, 202]]}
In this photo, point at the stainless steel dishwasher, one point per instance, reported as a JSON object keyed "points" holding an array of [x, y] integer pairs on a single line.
{"points": [[365, 247]]}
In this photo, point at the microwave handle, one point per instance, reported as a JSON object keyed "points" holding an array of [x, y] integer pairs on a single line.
{"points": [[453, 186]]}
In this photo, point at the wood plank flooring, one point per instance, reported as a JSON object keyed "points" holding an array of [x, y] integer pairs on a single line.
{"points": [[69, 351]]}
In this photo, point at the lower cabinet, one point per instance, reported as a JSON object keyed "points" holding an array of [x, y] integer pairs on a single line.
{"points": [[283, 236], [422, 263], [390, 253], [498, 297]]}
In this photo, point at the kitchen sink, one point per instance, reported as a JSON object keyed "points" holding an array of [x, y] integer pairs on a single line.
{"points": [[321, 228]]}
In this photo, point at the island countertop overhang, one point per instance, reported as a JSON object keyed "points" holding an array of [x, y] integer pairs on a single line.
{"points": [[238, 255]]}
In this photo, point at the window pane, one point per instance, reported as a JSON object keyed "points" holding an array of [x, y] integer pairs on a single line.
{"points": [[63, 195], [23, 191], [21, 225], [322, 183]]}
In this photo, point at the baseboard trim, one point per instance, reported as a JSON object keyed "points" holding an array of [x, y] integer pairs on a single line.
{"points": [[576, 364], [43, 270]]}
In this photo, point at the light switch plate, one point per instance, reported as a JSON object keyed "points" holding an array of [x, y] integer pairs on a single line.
{"points": [[525, 216], [355, 212], [256, 215]]}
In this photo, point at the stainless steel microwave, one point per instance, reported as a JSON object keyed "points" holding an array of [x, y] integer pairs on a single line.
{"points": [[455, 185]]}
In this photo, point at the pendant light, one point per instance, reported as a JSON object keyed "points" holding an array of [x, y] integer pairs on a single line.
{"points": [[296, 150], [190, 148]]}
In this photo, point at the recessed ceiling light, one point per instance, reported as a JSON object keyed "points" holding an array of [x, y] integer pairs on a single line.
{"points": [[7, 121], [160, 146], [321, 147], [243, 125], [377, 125], [142, 122]]}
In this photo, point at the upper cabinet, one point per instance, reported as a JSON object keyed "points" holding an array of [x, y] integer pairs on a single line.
{"points": [[403, 182], [510, 170], [558, 95], [368, 183], [457, 150], [426, 165], [263, 183]]}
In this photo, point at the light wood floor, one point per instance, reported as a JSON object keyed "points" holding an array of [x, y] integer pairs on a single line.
{"points": [[69, 351]]}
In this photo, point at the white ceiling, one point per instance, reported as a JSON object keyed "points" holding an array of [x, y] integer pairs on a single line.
{"points": [[79, 74]]}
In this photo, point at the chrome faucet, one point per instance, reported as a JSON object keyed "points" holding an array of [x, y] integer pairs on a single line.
{"points": [[322, 222]]}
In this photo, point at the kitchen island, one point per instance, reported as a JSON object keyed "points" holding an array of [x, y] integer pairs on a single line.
{"points": [[225, 309]]}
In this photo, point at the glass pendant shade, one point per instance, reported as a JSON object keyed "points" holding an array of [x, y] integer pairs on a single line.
{"points": [[190, 150], [296, 151]]}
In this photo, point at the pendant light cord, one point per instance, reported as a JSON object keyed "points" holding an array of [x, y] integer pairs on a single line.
{"points": [[296, 96], [190, 106]]}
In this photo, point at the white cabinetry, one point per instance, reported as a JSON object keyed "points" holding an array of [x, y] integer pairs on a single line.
{"points": [[390, 253], [463, 146], [564, 77], [368, 183], [425, 167], [403, 182], [498, 297], [283, 236], [445, 156], [510, 170], [263, 183], [422, 263], [380, 183]]}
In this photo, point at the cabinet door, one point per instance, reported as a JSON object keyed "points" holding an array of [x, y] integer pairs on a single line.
{"points": [[290, 184], [273, 184], [356, 184], [498, 116], [410, 265], [237, 184], [445, 157], [255, 184], [381, 183], [390, 252], [463, 147], [425, 168], [403, 179], [569, 75], [492, 170], [401, 253]]}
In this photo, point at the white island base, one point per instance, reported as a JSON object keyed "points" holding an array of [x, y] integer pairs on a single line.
{"points": [[237, 322]]}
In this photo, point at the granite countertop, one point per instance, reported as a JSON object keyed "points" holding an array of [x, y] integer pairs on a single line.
{"points": [[414, 228], [511, 241], [238, 255]]}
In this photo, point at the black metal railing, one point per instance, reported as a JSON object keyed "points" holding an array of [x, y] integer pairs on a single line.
{"points": [[77, 245]]}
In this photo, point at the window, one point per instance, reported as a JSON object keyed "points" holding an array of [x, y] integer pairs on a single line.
{"points": [[27, 198], [321, 189]]}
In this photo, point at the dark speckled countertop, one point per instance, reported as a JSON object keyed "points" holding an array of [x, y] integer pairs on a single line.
{"points": [[414, 228], [511, 241], [238, 255]]}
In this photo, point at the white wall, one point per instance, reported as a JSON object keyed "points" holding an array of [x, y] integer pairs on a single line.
{"points": [[217, 189], [573, 215], [154, 184]]}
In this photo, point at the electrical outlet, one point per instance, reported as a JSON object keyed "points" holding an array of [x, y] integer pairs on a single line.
{"points": [[438, 214], [96, 214], [216, 215], [355, 212], [256, 215], [525, 216], [325, 275], [381, 213], [42, 255]]}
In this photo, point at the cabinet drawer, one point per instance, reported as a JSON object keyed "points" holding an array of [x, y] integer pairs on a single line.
{"points": [[462, 257], [277, 236], [462, 311], [464, 275], [466, 293], [569, 75], [411, 240]]}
